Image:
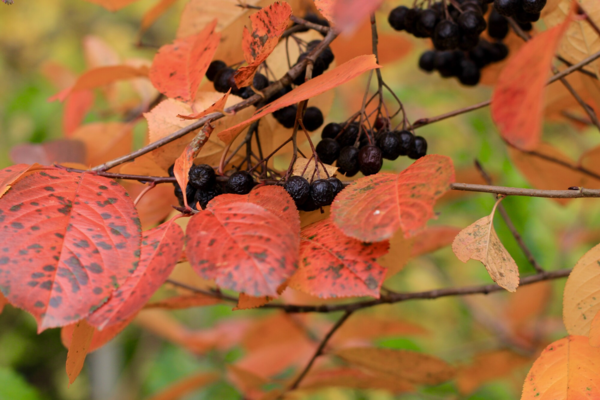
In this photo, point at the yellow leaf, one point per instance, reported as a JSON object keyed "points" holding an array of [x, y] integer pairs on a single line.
{"points": [[581, 299], [78, 350], [306, 168], [480, 242], [399, 364], [399, 254], [595, 331], [567, 369]]}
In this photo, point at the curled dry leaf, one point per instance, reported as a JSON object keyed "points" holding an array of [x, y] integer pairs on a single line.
{"points": [[69, 234], [267, 26], [517, 109], [410, 366], [78, 349], [306, 168], [178, 68], [480, 242], [581, 299], [373, 208], [566, 369], [334, 265]]}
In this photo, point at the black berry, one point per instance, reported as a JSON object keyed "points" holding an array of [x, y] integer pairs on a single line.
{"points": [[260, 81], [338, 186], [203, 196], [286, 116], [497, 25], [240, 183], [322, 192], [467, 42], [223, 80], [426, 23], [347, 162], [328, 150], [471, 22], [171, 171], [446, 63], [410, 20], [498, 52], [298, 188], [312, 119], [396, 17], [331, 130], [190, 194], [202, 176], [390, 145], [508, 8], [469, 73], [370, 160], [533, 6], [406, 142], [427, 61], [419, 148], [446, 35], [213, 68], [349, 135]]}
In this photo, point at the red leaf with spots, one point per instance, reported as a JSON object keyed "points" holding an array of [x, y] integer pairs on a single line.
{"points": [[248, 243], [267, 26], [335, 265], [67, 241], [161, 249], [374, 207], [99, 338], [11, 175], [178, 68]]}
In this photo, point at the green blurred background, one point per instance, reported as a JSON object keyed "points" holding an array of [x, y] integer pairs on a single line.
{"points": [[138, 364]]}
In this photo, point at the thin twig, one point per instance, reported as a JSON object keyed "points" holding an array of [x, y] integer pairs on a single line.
{"points": [[509, 191]]}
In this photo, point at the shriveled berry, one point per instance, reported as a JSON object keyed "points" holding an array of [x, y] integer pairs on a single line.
{"points": [[203, 196], [223, 80], [406, 142], [349, 135], [190, 193], [508, 8], [427, 61], [338, 186], [381, 123], [469, 73], [533, 6], [390, 145], [446, 35], [370, 160], [331, 130], [328, 150], [240, 183], [202, 176], [396, 17], [213, 68], [312, 119], [322, 192], [419, 148], [286, 116], [298, 188], [347, 162]]}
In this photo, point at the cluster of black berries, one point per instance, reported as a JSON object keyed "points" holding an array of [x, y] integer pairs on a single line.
{"points": [[341, 143], [311, 196], [523, 11], [222, 77], [203, 185]]}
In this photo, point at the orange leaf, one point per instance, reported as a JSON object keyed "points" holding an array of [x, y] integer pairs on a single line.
{"points": [[178, 68], [526, 305], [104, 141], [247, 382], [185, 386], [76, 107], [218, 105], [112, 5], [334, 265], [487, 367], [399, 254], [348, 14], [267, 26], [99, 339], [353, 378], [59, 151], [101, 76], [566, 369], [246, 302], [518, 98], [313, 87], [182, 302], [370, 327], [594, 330], [373, 208], [79, 348], [433, 238], [154, 13], [3, 302], [11, 175]]}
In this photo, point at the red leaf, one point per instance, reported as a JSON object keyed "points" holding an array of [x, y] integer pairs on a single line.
{"points": [[432, 239], [11, 175], [79, 348], [101, 76], [374, 207], [58, 151], [181, 302], [178, 68], [112, 5], [99, 339], [518, 99], [267, 26], [349, 14], [74, 237], [312, 88], [334, 265], [76, 107], [161, 249], [246, 243]]}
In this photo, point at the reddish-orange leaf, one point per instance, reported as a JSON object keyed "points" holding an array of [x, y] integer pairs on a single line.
{"points": [[594, 329], [178, 68], [246, 245], [3, 302], [374, 207], [59, 151], [101, 76], [334, 265], [11, 175], [246, 302], [488, 366], [112, 5], [76, 107], [267, 26], [75, 238], [567, 369], [185, 161], [79, 348], [182, 302], [154, 13], [348, 14], [99, 339], [518, 99], [432, 239], [355, 379], [325, 7], [363, 327], [185, 386], [312, 88], [218, 105], [161, 249]]}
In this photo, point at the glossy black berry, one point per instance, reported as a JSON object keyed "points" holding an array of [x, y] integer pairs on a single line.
{"points": [[326, 56], [390, 145], [410, 20], [286, 116], [347, 162], [497, 25], [328, 150], [406, 142], [203, 196], [312, 119], [191, 194], [480, 55], [318, 68], [349, 135], [445, 63], [331, 130], [240, 183], [446, 35], [370, 160], [471, 22], [419, 148], [427, 61], [469, 73], [396, 17], [498, 52], [338, 186], [427, 21], [298, 188], [260, 81], [223, 80], [322, 192], [202, 176], [213, 68], [508, 8]]}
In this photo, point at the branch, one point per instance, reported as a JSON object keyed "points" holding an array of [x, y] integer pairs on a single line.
{"points": [[574, 193]]}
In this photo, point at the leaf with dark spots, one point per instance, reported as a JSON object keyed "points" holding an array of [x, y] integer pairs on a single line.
{"points": [[11, 175], [230, 241], [160, 252], [335, 265], [62, 247], [373, 208]]}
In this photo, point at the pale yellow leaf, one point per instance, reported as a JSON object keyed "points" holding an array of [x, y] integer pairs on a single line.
{"points": [[78, 350], [306, 168]]}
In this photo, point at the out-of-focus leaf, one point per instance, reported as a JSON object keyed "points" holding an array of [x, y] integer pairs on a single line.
{"points": [[105, 141], [185, 386], [488, 366], [154, 13], [99, 339], [354, 379], [399, 254], [78, 349], [433, 238], [55, 151], [14, 387], [112, 5]]}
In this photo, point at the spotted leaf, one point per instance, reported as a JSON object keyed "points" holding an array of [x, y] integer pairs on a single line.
{"points": [[67, 242], [248, 243], [161, 249], [335, 265], [374, 207], [10, 175]]}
